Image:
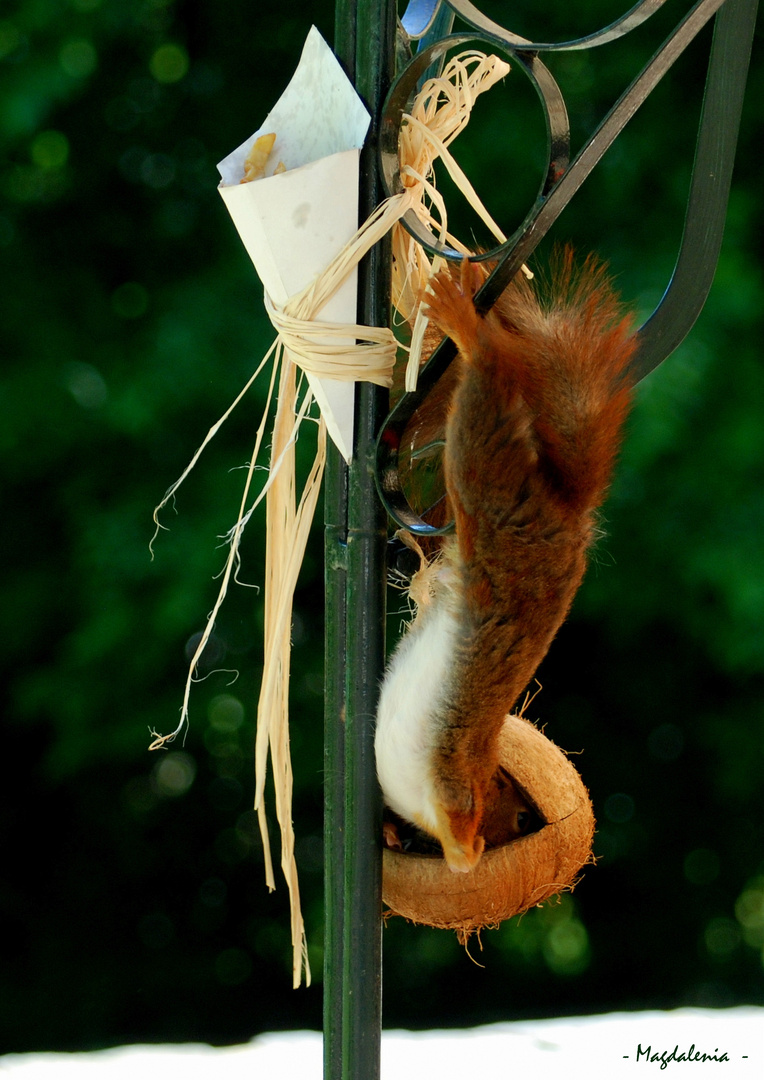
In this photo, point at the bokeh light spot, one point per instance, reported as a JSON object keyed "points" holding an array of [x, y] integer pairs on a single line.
{"points": [[721, 937], [174, 773], [169, 63], [214, 651], [23, 183], [226, 793], [78, 58], [233, 966], [129, 300], [139, 795], [619, 808], [230, 847], [86, 385], [50, 149], [666, 742], [566, 948], [749, 912], [248, 829], [225, 713], [213, 892], [157, 171], [701, 866], [10, 38], [156, 930]]}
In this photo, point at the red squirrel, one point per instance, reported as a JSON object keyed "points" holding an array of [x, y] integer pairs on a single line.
{"points": [[531, 434]]}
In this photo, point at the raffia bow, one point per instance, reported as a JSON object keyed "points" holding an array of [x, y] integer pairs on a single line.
{"points": [[439, 114]]}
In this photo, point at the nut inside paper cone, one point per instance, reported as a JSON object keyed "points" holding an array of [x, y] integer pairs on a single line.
{"points": [[518, 875]]}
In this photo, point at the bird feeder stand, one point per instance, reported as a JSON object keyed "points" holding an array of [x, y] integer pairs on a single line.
{"points": [[359, 497]]}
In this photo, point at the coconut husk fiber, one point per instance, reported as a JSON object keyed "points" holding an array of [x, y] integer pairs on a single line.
{"points": [[511, 878]]}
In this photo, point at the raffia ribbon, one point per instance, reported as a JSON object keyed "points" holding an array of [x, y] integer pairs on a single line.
{"points": [[440, 112]]}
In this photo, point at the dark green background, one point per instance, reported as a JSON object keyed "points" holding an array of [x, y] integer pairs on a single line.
{"points": [[132, 902]]}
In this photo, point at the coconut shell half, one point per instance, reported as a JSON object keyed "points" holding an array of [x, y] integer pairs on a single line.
{"points": [[518, 875]]}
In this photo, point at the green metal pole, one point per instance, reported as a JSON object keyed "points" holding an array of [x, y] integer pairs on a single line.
{"points": [[355, 539], [335, 546]]}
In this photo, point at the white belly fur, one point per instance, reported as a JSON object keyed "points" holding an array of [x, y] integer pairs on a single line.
{"points": [[413, 692]]}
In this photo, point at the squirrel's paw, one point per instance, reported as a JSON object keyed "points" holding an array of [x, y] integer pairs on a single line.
{"points": [[450, 305]]}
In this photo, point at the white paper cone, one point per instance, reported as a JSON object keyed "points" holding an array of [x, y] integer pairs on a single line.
{"points": [[294, 223]]}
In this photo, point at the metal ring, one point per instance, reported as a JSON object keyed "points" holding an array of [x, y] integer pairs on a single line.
{"points": [[398, 101]]}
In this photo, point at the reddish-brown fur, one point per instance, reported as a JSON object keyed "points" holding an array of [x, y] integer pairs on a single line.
{"points": [[531, 437]]}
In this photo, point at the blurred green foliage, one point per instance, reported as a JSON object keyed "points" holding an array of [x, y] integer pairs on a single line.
{"points": [[133, 905]]}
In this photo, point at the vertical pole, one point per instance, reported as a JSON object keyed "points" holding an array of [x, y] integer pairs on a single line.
{"points": [[355, 539], [335, 547]]}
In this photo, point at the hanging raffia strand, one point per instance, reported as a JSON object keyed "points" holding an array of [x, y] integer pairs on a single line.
{"points": [[363, 353]]}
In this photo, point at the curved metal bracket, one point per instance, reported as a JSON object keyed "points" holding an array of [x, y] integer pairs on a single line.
{"points": [[706, 209], [626, 23], [712, 170], [555, 115]]}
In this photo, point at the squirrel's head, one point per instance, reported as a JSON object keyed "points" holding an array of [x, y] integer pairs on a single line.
{"points": [[458, 815]]}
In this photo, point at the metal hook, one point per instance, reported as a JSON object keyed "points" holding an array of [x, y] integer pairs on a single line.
{"points": [[683, 300]]}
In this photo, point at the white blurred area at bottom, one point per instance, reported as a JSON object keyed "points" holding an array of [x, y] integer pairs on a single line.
{"points": [[609, 1045]]}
